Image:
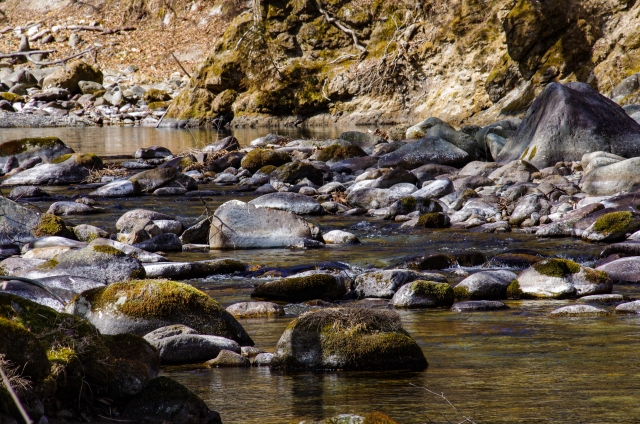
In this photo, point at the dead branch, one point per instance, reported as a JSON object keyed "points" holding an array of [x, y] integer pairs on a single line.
{"points": [[5, 30], [180, 65], [104, 31], [66, 59], [441, 395], [17, 54], [342, 27]]}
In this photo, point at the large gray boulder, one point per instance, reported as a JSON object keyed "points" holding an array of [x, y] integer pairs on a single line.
{"points": [[139, 307], [292, 202], [385, 283], [239, 225], [104, 264], [558, 279], [302, 288], [423, 151], [16, 222], [623, 270], [328, 339], [611, 179], [67, 172], [567, 121], [65, 287], [191, 348]]}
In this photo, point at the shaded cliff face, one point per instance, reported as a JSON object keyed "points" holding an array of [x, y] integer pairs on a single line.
{"points": [[380, 62]]}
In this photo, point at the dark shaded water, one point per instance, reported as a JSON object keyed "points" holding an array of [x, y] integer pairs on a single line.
{"points": [[517, 365]]}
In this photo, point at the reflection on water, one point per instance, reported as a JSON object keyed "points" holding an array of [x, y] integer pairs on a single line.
{"points": [[126, 140]]}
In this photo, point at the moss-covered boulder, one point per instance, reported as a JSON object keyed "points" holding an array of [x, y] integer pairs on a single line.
{"points": [[46, 148], [104, 264], [613, 226], [141, 306], [293, 172], [156, 95], [423, 294], [257, 158], [338, 152], [433, 220], [385, 283], [21, 347], [349, 339], [557, 279], [169, 401], [69, 76], [300, 289], [87, 160], [51, 225]]}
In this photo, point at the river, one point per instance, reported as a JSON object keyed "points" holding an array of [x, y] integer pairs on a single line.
{"points": [[516, 365]]}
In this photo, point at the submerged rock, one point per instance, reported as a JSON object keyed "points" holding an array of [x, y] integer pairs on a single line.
{"points": [[348, 339], [228, 358], [46, 148], [292, 202], [578, 310], [340, 237], [142, 306], [255, 309], [190, 348], [478, 305], [557, 279]]}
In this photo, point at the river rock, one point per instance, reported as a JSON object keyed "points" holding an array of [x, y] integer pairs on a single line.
{"points": [[517, 171], [55, 241], [153, 179], [478, 305], [19, 266], [239, 225], [119, 188], [603, 299], [393, 177], [435, 189], [197, 233], [613, 226], [129, 219], [166, 400], [27, 192], [423, 294], [326, 339], [191, 348], [88, 233], [71, 208], [46, 148], [152, 152], [578, 311], [228, 144], [228, 358], [45, 253], [263, 359], [485, 285], [629, 308], [67, 172], [257, 158], [167, 242], [300, 289], [141, 255], [293, 202], [374, 198], [292, 173], [385, 283], [566, 226], [197, 269], [255, 309], [557, 279], [614, 178], [426, 150], [69, 76], [17, 222], [353, 165], [340, 237], [103, 263], [566, 121], [623, 270], [139, 307]]}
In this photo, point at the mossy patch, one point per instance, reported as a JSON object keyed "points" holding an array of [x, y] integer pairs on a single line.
{"points": [[613, 223], [51, 225], [596, 276], [299, 289], [337, 152], [461, 292], [11, 97], [514, 291], [267, 169], [158, 105], [87, 160], [48, 265], [258, 158], [155, 95], [409, 203], [21, 347], [15, 147], [432, 220], [557, 267], [443, 293], [109, 250]]}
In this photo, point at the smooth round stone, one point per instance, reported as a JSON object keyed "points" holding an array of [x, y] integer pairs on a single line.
{"points": [[578, 310], [602, 299], [340, 237], [263, 359], [255, 309], [629, 308], [478, 305]]}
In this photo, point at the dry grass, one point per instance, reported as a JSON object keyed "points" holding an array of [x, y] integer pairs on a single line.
{"points": [[19, 384], [110, 170], [366, 320], [339, 197]]}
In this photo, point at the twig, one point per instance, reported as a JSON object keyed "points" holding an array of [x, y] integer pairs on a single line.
{"points": [[7, 384], [180, 65], [66, 59], [343, 57], [341, 27], [441, 395], [103, 30], [30, 52]]}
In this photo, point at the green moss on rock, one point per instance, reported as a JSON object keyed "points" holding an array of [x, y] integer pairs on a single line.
{"points": [[22, 348], [11, 97], [443, 293], [51, 225], [109, 250], [15, 147], [432, 220], [258, 158], [155, 95], [299, 289], [158, 105], [461, 292], [268, 169], [514, 291], [614, 222], [557, 267], [337, 152]]}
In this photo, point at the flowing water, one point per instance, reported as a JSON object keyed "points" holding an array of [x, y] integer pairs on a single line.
{"points": [[516, 365]]}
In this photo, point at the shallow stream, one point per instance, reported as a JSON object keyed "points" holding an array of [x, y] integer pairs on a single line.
{"points": [[517, 365]]}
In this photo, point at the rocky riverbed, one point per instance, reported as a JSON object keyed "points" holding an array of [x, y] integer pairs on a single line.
{"points": [[111, 265]]}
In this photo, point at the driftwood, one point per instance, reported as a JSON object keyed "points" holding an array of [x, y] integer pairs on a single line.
{"points": [[104, 31]]}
